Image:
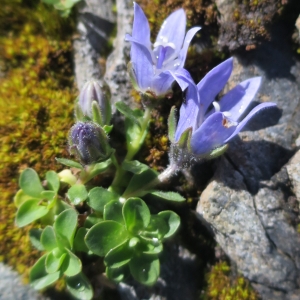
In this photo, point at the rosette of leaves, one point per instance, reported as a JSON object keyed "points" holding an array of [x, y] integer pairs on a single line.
{"points": [[128, 236], [34, 201], [58, 241]]}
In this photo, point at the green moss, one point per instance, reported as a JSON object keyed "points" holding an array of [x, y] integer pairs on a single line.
{"points": [[221, 286], [36, 109]]}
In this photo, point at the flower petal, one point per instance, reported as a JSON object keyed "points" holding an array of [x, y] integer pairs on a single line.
{"points": [[142, 66], [189, 112], [254, 111], [189, 36], [141, 29], [213, 83], [237, 100], [173, 31], [212, 134], [162, 84]]}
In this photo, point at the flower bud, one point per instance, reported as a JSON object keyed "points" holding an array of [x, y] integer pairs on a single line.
{"points": [[96, 90], [89, 142]]}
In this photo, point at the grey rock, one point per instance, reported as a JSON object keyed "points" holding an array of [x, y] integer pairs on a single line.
{"points": [[249, 202], [95, 24]]}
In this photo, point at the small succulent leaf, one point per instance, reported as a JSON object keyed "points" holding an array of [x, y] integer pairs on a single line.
{"points": [[136, 215], [119, 256], [52, 181], [157, 228], [79, 243], [67, 176], [38, 276], [54, 263], [30, 211], [77, 194], [128, 112], [172, 124], [65, 226], [72, 264], [100, 167], [108, 128], [173, 221], [79, 287], [20, 198], [48, 195], [104, 236], [35, 238], [171, 196], [139, 182], [48, 238], [98, 197], [151, 245], [145, 268], [117, 274], [69, 163], [30, 183], [92, 220], [134, 166], [113, 211]]}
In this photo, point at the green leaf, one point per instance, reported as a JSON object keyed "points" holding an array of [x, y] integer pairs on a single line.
{"points": [[117, 274], [35, 238], [105, 236], [38, 276], [48, 195], [100, 167], [172, 220], [108, 128], [134, 166], [139, 183], [92, 220], [30, 211], [65, 226], [30, 183], [172, 124], [171, 196], [145, 268], [98, 197], [20, 198], [132, 115], [48, 238], [69, 163], [97, 117], [79, 287], [151, 246], [118, 256], [157, 228], [79, 243], [52, 181], [113, 211], [72, 264], [136, 215], [77, 193], [53, 263], [185, 139]]}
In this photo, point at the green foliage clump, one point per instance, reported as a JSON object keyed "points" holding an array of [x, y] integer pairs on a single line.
{"points": [[221, 286], [36, 108]]}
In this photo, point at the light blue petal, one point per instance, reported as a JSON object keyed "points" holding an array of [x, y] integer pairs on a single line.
{"points": [[212, 134], [162, 84], [214, 81], [238, 99], [189, 112], [173, 31], [183, 52], [141, 29], [142, 66], [254, 111]]}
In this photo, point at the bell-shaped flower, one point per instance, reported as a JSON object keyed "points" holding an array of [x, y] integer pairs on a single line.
{"points": [[153, 69], [208, 128]]}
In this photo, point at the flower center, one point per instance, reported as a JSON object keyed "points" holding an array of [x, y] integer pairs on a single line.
{"points": [[162, 45]]}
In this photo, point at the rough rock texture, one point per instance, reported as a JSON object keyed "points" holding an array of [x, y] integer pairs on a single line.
{"points": [[250, 203], [95, 24]]}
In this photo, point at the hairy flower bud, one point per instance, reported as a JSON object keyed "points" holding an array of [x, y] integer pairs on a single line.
{"points": [[96, 90], [89, 142]]}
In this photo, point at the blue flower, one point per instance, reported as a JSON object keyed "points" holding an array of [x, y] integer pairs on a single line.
{"points": [[212, 128], [154, 70]]}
